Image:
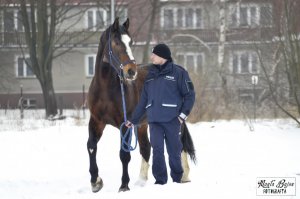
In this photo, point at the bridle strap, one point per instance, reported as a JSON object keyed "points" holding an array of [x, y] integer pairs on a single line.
{"points": [[119, 70], [113, 58]]}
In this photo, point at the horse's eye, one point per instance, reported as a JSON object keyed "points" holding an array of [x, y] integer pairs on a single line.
{"points": [[117, 43]]}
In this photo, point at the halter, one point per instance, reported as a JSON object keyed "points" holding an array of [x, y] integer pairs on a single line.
{"points": [[126, 138], [114, 58]]}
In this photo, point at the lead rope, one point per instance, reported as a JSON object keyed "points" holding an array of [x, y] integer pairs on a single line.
{"points": [[125, 145]]}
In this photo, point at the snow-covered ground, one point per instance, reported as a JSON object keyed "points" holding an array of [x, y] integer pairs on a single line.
{"points": [[42, 159]]}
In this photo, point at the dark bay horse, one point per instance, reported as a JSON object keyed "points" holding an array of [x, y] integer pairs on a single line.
{"points": [[115, 62]]}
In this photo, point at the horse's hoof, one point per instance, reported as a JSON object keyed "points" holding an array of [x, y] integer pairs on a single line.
{"points": [[97, 186], [141, 182], [124, 188], [185, 181]]}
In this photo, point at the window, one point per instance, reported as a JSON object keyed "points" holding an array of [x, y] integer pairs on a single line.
{"points": [[180, 18], [23, 68], [266, 16], [189, 17], [13, 20], [245, 16], [121, 12], [168, 18], [198, 17], [29, 103], [246, 95], [90, 65], [1, 21], [186, 18], [19, 21], [9, 21], [250, 15], [96, 19], [192, 62], [244, 62]]}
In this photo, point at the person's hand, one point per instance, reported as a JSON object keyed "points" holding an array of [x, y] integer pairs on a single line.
{"points": [[180, 120], [128, 124]]}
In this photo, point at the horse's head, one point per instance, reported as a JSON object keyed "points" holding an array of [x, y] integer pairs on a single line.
{"points": [[120, 53]]}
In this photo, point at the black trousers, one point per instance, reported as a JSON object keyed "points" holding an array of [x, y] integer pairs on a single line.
{"points": [[169, 133]]}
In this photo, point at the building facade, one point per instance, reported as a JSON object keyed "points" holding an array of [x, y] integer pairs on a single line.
{"points": [[198, 32]]}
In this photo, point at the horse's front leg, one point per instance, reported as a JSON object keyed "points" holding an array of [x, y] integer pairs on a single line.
{"points": [[95, 133], [125, 159]]}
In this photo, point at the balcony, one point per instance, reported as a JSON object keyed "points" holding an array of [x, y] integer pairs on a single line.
{"points": [[13, 39], [186, 35], [247, 34], [212, 35]]}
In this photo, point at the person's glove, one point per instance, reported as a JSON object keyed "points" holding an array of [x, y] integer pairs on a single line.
{"points": [[180, 120], [128, 124]]}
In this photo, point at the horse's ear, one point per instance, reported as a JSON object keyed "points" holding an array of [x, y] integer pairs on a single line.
{"points": [[126, 24], [115, 25]]}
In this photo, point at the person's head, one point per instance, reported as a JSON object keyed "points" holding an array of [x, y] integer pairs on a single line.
{"points": [[160, 54]]}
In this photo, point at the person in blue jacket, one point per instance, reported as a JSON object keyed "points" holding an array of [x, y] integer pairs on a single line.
{"points": [[167, 98]]}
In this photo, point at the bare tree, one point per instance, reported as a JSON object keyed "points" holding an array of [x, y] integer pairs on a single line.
{"points": [[221, 46], [291, 48], [286, 62], [223, 11], [48, 34]]}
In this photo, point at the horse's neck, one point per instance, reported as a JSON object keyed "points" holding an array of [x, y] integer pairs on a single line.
{"points": [[143, 70], [142, 73]]}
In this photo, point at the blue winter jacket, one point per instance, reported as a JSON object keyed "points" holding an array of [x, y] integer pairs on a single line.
{"points": [[167, 93]]}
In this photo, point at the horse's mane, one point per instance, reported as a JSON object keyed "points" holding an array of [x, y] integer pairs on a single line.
{"points": [[101, 48]]}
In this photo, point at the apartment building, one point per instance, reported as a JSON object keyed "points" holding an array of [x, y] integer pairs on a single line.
{"points": [[197, 32]]}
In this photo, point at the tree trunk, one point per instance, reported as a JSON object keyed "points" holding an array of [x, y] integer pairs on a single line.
{"points": [[150, 31], [49, 96], [221, 50]]}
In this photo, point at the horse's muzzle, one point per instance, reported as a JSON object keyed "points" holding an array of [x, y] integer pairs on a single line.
{"points": [[130, 74]]}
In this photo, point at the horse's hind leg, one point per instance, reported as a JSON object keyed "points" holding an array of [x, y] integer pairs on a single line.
{"points": [[186, 168], [95, 133], [145, 150], [188, 148]]}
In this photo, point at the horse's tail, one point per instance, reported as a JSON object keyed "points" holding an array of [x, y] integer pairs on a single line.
{"points": [[187, 142]]}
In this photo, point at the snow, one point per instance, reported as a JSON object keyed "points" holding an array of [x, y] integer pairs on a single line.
{"points": [[49, 159]]}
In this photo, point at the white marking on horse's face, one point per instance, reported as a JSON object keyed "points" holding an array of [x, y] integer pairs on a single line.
{"points": [[126, 40]]}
